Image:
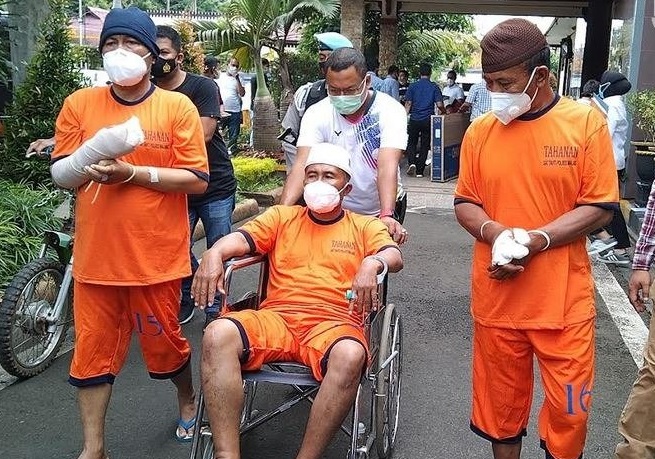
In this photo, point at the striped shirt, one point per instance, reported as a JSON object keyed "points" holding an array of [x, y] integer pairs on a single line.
{"points": [[645, 248], [479, 99]]}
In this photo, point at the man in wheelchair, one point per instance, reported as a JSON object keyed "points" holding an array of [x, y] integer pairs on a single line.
{"points": [[316, 254]]}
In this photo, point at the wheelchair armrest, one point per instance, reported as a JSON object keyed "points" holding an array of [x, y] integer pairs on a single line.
{"points": [[234, 264]]}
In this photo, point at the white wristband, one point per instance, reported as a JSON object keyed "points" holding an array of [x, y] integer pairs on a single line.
{"points": [[544, 235], [485, 223]]}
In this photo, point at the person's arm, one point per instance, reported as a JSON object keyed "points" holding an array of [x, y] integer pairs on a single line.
{"points": [[240, 89], [640, 278], [209, 276], [293, 186], [310, 134], [164, 179], [565, 229], [409, 96], [208, 127], [395, 89], [387, 183]]}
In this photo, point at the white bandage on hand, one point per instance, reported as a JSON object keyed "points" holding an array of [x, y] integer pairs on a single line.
{"points": [[108, 143], [510, 245]]}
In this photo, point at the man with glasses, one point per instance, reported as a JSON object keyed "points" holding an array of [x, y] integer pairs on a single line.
{"points": [[370, 125], [308, 94]]}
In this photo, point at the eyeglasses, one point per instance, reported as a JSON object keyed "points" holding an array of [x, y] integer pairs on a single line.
{"points": [[353, 91]]}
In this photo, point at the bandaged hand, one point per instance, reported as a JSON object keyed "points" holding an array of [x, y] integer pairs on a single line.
{"points": [[510, 244], [108, 143]]}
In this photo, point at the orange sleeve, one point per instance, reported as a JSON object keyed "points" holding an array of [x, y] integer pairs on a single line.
{"points": [[376, 237], [189, 148], [261, 232], [599, 182], [68, 130], [466, 189]]}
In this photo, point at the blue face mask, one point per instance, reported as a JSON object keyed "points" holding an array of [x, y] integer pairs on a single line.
{"points": [[602, 88]]}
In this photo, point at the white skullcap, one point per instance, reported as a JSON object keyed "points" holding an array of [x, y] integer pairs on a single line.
{"points": [[330, 154]]}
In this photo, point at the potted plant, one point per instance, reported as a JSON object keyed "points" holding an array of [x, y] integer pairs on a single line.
{"points": [[641, 105]]}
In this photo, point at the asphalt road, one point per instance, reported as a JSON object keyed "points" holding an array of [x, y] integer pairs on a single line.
{"points": [[39, 417]]}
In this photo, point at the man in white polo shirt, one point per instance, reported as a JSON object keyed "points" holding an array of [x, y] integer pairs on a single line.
{"points": [[232, 91], [370, 125]]}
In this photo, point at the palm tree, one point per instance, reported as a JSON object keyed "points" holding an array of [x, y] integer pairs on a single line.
{"points": [[247, 26]]}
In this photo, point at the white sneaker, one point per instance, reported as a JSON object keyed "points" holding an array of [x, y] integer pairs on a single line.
{"points": [[600, 245], [613, 258], [411, 170]]}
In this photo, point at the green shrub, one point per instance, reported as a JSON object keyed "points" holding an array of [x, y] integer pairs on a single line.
{"points": [[51, 76], [256, 174], [25, 213], [641, 105]]}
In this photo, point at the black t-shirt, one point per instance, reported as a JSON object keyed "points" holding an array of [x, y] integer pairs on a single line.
{"points": [[203, 92]]}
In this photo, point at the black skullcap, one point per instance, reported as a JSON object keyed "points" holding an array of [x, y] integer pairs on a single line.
{"points": [[132, 22], [619, 84], [510, 43]]}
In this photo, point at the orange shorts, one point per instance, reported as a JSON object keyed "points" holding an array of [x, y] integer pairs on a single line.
{"points": [[274, 336], [106, 315], [503, 385]]}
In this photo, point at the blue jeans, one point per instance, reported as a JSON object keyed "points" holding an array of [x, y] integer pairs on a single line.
{"points": [[216, 218], [233, 130]]}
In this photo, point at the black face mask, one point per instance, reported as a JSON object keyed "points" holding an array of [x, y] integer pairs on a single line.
{"points": [[162, 67], [322, 66]]}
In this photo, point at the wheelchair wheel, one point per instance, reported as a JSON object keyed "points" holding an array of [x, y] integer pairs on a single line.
{"points": [[388, 383], [208, 451]]}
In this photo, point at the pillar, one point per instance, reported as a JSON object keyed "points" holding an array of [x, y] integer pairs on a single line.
{"points": [[597, 40], [352, 22], [388, 44]]}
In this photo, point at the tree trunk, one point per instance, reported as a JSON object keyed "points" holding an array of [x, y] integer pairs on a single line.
{"points": [[25, 17], [286, 98], [265, 126]]}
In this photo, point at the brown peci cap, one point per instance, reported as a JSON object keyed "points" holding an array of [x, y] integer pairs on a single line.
{"points": [[510, 43]]}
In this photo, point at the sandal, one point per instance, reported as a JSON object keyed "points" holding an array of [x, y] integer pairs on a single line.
{"points": [[187, 428]]}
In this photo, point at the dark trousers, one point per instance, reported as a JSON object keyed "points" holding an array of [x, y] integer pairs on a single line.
{"points": [[418, 143], [617, 226]]}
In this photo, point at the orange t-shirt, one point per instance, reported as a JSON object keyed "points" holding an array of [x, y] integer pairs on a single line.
{"points": [[313, 263], [526, 175], [132, 235]]}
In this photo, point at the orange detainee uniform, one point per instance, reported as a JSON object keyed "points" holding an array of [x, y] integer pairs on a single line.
{"points": [[133, 235], [525, 175], [311, 266], [131, 242]]}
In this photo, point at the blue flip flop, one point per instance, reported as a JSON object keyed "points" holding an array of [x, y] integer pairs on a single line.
{"points": [[186, 425]]}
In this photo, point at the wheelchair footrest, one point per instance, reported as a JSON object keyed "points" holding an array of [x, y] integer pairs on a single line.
{"points": [[278, 377]]}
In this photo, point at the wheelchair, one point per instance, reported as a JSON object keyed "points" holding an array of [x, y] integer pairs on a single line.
{"points": [[374, 426]]}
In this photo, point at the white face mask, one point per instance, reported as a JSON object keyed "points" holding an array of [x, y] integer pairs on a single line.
{"points": [[450, 82], [322, 197], [232, 70], [123, 67], [508, 106]]}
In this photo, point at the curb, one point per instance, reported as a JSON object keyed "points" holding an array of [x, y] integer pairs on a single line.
{"points": [[245, 209]]}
